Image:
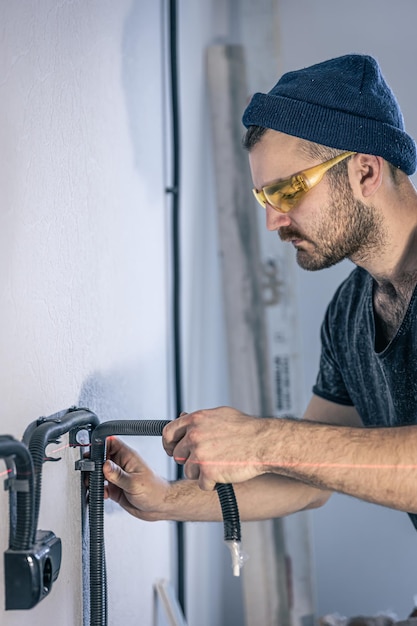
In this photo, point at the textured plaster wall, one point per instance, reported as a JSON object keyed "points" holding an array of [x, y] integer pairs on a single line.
{"points": [[83, 294]]}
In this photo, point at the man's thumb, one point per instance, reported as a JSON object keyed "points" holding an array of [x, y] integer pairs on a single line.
{"points": [[112, 472]]}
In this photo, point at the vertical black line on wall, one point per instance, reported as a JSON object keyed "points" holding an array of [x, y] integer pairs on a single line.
{"points": [[174, 190]]}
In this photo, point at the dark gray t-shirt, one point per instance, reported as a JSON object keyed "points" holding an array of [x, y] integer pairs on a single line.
{"points": [[382, 386]]}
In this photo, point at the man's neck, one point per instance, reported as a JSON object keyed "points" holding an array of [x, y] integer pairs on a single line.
{"points": [[393, 262], [394, 265], [392, 293], [390, 305]]}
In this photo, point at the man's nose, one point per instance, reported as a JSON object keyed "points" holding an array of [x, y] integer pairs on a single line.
{"points": [[276, 220]]}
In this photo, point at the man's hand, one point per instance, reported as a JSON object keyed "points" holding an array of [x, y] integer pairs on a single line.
{"points": [[131, 483], [222, 446], [219, 445]]}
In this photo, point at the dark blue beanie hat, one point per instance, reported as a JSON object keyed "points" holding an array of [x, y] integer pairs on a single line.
{"points": [[342, 103]]}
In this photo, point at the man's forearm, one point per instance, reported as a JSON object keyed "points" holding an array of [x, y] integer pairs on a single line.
{"points": [[373, 464], [227, 446], [263, 497]]}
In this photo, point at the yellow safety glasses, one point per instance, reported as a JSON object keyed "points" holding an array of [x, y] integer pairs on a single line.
{"points": [[283, 195]]}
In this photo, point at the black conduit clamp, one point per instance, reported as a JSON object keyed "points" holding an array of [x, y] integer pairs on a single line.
{"points": [[48, 430], [33, 558]]}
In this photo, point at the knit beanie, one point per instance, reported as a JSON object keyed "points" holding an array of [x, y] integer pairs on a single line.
{"points": [[341, 103]]}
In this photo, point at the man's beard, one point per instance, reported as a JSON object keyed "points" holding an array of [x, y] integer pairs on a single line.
{"points": [[347, 229]]}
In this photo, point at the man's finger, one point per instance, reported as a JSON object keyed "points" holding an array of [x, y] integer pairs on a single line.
{"points": [[206, 484], [173, 433], [114, 474], [192, 470]]}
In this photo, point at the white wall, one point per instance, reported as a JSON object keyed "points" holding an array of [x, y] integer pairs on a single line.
{"points": [[83, 263]]}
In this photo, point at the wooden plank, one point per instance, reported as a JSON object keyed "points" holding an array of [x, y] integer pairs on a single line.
{"points": [[265, 573]]}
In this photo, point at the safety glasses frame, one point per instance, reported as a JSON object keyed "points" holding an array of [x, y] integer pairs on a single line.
{"points": [[284, 195]]}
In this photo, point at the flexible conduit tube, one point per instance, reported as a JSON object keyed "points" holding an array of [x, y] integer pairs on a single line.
{"points": [[21, 498], [231, 522], [98, 587], [174, 189], [47, 432]]}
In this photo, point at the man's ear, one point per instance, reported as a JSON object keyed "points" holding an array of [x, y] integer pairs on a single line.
{"points": [[366, 174]]}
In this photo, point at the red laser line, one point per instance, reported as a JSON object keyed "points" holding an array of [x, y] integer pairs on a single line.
{"points": [[303, 464], [5, 473], [61, 448], [67, 445]]}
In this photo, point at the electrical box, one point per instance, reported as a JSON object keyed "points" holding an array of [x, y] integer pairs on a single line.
{"points": [[29, 574]]}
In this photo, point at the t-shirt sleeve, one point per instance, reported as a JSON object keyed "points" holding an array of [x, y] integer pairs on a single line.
{"points": [[329, 384]]}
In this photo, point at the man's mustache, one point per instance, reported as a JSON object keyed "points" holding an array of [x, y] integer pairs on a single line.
{"points": [[288, 234]]}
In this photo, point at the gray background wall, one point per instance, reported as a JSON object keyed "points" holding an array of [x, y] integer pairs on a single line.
{"points": [[84, 270], [365, 555]]}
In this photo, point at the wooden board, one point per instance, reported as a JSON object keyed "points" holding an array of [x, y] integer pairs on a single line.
{"points": [[262, 357]]}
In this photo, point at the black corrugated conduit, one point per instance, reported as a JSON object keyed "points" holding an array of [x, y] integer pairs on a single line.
{"points": [[47, 430], [230, 512], [173, 189], [33, 560], [98, 587], [21, 491]]}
